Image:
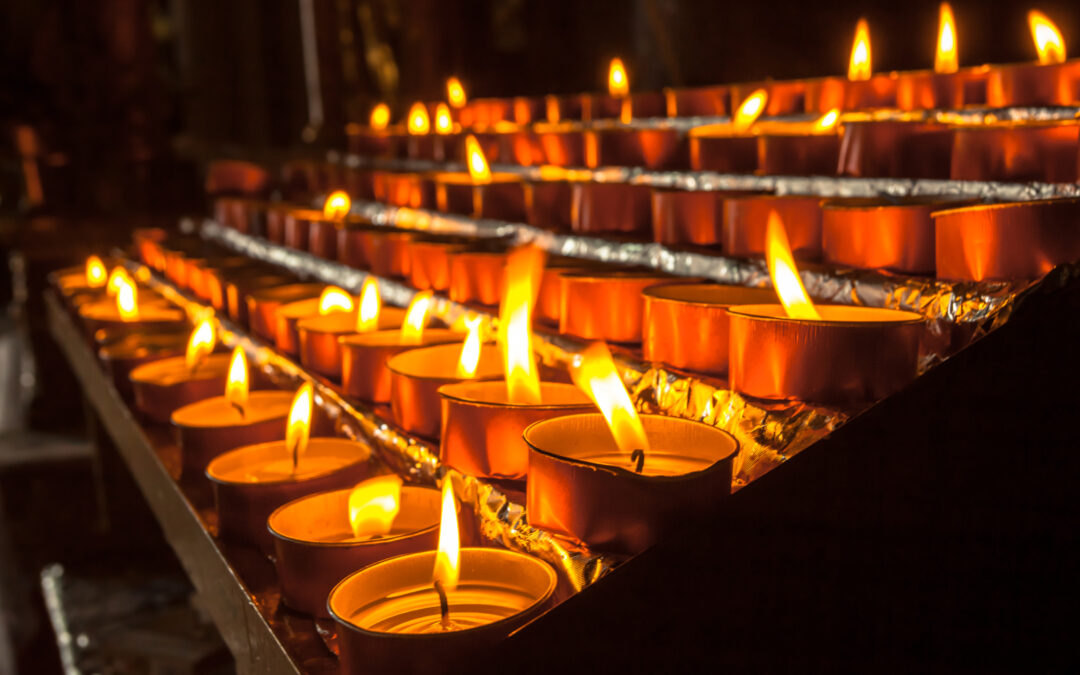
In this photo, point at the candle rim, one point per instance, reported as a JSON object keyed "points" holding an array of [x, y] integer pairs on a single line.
{"points": [[768, 312], [202, 372], [391, 338], [450, 391], [913, 202], [285, 397], [398, 369], [271, 293], [314, 444], [1033, 204], [664, 293], [463, 178], [390, 318]]}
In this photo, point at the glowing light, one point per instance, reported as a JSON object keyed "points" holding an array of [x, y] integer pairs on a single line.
{"points": [[95, 272], [367, 319], [784, 274], [524, 268], [1048, 40], [828, 120], [333, 299], [117, 279], [236, 386], [444, 124], [298, 430], [447, 559], [455, 92], [337, 205], [945, 59], [479, 171], [419, 122], [470, 350], [749, 110], [412, 330], [127, 301], [618, 82], [860, 66], [596, 375], [373, 505], [200, 344], [380, 117]]}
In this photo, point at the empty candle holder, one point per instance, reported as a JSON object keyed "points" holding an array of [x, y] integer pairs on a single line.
{"points": [[655, 148], [429, 262], [548, 204], [1033, 84], [798, 149], [687, 216]]}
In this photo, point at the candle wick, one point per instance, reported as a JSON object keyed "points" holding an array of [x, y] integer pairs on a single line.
{"points": [[638, 456], [239, 408], [444, 605]]}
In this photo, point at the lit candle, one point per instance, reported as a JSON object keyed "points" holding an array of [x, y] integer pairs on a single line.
{"points": [[1052, 81], [289, 314], [478, 192], [124, 311], [729, 147], [800, 148], [263, 303], [161, 387]]}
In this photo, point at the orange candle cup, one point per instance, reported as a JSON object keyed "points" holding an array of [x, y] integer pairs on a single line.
{"points": [[364, 374], [276, 215], [417, 374], [386, 251], [406, 189], [710, 101], [315, 546], [560, 108], [320, 338], [548, 204], [263, 304], [429, 262], [1033, 84], [877, 92], [1016, 152], [350, 248], [605, 305], [927, 90], [1015, 240], [476, 276], [896, 149], [286, 318], [610, 207], [581, 485], [785, 97], [298, 228], [502, 198], [800, 149], [163, 387], [156, 315], [687, 216], [549, 299], [746, 218], [719, 147], [127, 352], [238, 286], [686, 324], [658, 149], [323, 238], [563, 144]]}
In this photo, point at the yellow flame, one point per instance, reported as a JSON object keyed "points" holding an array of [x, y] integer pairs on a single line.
{"points": [[448, 556], [200, 343], [373, 505], [95, 272], [1048, 39], [444, 124], [596, 375], [945, 59], [298, 430], [127, 301], [419, 122], [749, 110], [236, 386], [333, 299], [860, 66], [380, 117], [367, 319], [337, 205], [828, 120], [455, 92], [524, 268], [617, 82], [117, 279], [470, 350], [785, 276], [412, 330], [479, 171]]}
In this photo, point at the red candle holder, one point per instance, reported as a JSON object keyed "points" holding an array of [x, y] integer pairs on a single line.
{"points": [[610, 207], [548, 204], [263, 304], [523, 147], [276, 215], [697, 101], [1016, 152], [1033, 84], [718, 147], [746, 219], [896, 149], [364, 374], [320, 337], [323, 238], [386, 251], [286, 316], [238, 286], [687, 216], [877, 92], [161, 387], [503, 198], [797, 152], [528, 110], [476, 276], [605, 305], [822, 94], [927, 90], [560, 108], [412, 190], [429, 262], [298, 227], [563, 144], [549, 298], [658, 149], [786, 97]]}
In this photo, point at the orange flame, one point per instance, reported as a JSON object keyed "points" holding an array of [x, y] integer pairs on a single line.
{"points": [[478, 165], [945, 59], [337, 205], [419, 122], [200, 344], [784, 274], [750, 110], [470, 350], [95, 272], [127, 301], [617, 82], [455, 92], [367, 319], [596, 375], [236, 386], [1048, 39], [444, 124], [117, 279], [373, 505], [333, 299], [859, 67], [298, 430], [412, 330], [447, 558], [524, 268], [380, 117], [828, 120]]}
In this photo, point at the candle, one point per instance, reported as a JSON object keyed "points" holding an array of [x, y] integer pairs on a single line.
{"points": [[289, 314], [1053, 81], [478, 192], [90, 278], [263, 304], [126, 312], [711, 101], [549, 298], [800, 148], [371, 140], [476, 276], [1016, 151], [123, 352], [605, 304], [864, 89], [548, 200], [746, 218], [610, 207], [616, 481], [163, 386], [657, 147], [895, 147], [429, 262], [562, 143], [729, 147]]}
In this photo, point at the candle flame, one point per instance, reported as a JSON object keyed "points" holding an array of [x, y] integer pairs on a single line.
{"points": [[117, 279], [828, 120], [337, 205], [412, 330], [444, 124], [380, 117], [200, 343], [945, 60], [455, 92], [419, 122], [860, 66], [784, 274], [470, 350], [127, 300], [373, 505], [524, 268], [236, 386], [617, 82], [367, 319], [95, 272], [447, 558], [595, 374], [750, 110], [478, 165], [298, 430], [333, 299], [1048, 39]]}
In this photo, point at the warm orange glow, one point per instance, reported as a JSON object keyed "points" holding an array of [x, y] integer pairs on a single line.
{"points": [[337, 205], [784, 274], [95, 272], [117, 278], [470, 350], [367, 319], [412, 330], [828, 120], [479, 171], [127, 301], [419, 122], [200, 344], [455, 92], [380, 117], [594, 373], [236, 386], [524, 268], [448, 556], [298, 431], [749, 110], [333, 299], [373, 505], [617, 82], [444, 124], [945, 60], [1048, 40], [551, 109], [860, 66]]}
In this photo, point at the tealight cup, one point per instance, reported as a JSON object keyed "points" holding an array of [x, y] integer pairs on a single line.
{"points": [[162, 387], [746, 218], [364, 374], [476, 276], [605, 304], [263, 303], [124, 353], [320, 336]]}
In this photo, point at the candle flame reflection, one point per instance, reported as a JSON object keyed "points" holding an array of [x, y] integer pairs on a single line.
{"points": [[333, 299], [127, 300], [448, 556], [1048, 39], [236, 386], [298, 430], [945, 60], [419, 122], [444, 124], [200, 344], [860, 66], [784, 274], [455, 92], [95, 272], [337, 205], [367, 319], [594, 372], [470, 350], [380, 117], [373, 505], [524, 268], [749, 110], [412, 330], [479, 171]]}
